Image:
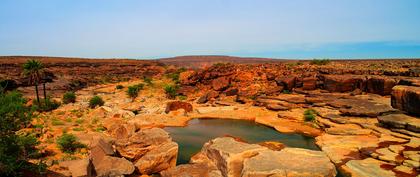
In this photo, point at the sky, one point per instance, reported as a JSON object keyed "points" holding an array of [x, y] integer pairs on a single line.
{"points": [[301, 29]]}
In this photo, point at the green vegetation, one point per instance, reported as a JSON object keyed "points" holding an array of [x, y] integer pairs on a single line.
{"points": [[57, 122], [175, 75], [78, 129], [170, 91], [68, 143], [96, 101], [148, 81], [46, 105], [69, 97], [310, 115], [16, 149], [133, 91], [34, 69], [100, 129], [320, 61], [119, 87], [286, 91], [182, 97]]}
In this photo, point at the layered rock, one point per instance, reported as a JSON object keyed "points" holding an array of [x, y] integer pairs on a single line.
{"points": [[380, 85], [343, 83], [400, 121], [151, 150], [406, 98], [175, 105], [229, 157]]}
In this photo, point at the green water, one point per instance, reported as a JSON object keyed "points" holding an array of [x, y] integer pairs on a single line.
{"points": [[192, 137]]}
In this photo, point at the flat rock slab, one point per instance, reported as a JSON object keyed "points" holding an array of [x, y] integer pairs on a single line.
{"points": [[367, 168], [400, 121], [361, 107], [289, 162]]}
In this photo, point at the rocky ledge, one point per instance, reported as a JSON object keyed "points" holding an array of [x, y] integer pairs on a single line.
{"points": [[229, 157]]}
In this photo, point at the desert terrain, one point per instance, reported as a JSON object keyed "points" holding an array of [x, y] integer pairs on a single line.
{"points": [[364, 115]]}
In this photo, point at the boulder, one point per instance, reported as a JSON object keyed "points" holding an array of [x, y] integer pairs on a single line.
{"points": [[185, 76], [79, 168], [343, 83], [191, 170], [289, 162], [158, 159], [151, 150], [228, 154], [113, 166], [309, 83], [287, 82], [220, 83], [231, 92], [175, 105], [367, 168], [380, 85], [122, 131], [406, 98], [400, 121]]}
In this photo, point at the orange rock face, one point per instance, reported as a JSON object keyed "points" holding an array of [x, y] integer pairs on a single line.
{"points": [[406, 98]]}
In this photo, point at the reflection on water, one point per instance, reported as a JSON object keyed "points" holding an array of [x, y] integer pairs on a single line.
{"points": [[192, 137]]}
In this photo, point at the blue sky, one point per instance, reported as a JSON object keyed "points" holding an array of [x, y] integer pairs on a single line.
{"points": [[164, 28]]}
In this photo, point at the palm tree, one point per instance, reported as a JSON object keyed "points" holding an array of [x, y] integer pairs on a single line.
{"points": [[34, 69]]}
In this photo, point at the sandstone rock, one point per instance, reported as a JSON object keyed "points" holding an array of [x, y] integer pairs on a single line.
{"points": [[158, 159], [400, 121], [112, 123], [289, 162], [287, 82], [113, 166], [152, 150], [191, 170], [273, 145], [343, 83], [380, 85], [406, 98], [184, 77], [387, 155], [220, 83], [228, 154], [175, 105], [231, 92], [360, 107], [122, 131], [309, 83], [79, 168], [276, 107], [367, 168]]}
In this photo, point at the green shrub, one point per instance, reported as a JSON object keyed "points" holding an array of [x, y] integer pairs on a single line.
{"points": [[45, 105], [119, 87], [173, 76], [15, 149], [286, 92], [170, 91], [309, 115], [56, 122], [78, 129], [68, 143], [100, 129], [148, 80], [320, 61], [182, 97], [96, 101], [133, 91], [69, 97]]}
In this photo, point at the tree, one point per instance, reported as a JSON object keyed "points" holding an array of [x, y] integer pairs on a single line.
{"points": [[15, 149], [34, 69]]}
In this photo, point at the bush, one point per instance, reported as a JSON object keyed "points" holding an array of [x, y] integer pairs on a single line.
{"points": [[69, 97], [182, 97], [148, 80], [15, 149], [286, 92], [96, 101], [133, 91], [320, 61], [45, 105], [309, 115], [68, 143], [170, 91], [119, 87]]}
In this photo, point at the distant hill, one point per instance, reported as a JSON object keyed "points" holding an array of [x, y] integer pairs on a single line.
{"points": [[208, 60]]}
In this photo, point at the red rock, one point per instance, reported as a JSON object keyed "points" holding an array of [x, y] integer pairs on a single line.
{"points": [[287, 82], [185, 76], [406, 98], [380, 85], [220, 83], [231, 92], [175, 105], [309, 83], [343, 83]]}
